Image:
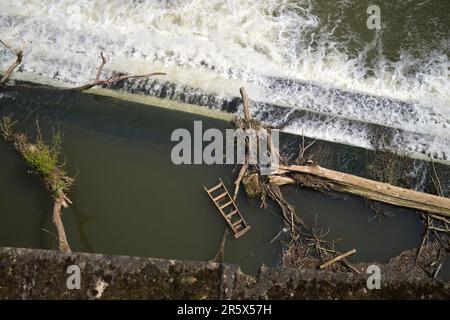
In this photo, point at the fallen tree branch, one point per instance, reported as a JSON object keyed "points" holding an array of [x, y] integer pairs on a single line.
{"points": [[245, 125], [43, 160], [337, 258], [63, 243], [375, 190], [100, 69], [436, 180], [16, 63], [116, 79], [220, 255], [245, 104], [288, 211], [241, 174], [110, 80]]}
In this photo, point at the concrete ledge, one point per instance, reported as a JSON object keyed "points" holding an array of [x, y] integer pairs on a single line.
{"points": [[41, 274]]}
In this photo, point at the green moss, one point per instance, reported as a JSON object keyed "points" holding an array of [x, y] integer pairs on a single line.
{"points": [[43, 158]]}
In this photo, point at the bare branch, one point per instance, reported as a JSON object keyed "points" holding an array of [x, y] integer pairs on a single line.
{"points": [[337, 258], [100, 69], [220, 255], [116, 79], [60, 202], [245, 104], [10, 70], [112, 79], [8, 47], [241, 174]]}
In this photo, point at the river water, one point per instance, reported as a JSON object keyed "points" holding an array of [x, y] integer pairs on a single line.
{"points": [[311, 67], [130, 199], [316, 56]]}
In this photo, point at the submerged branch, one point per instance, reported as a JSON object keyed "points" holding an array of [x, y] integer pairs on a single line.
{"points": [[43, 160], [375, 190]]}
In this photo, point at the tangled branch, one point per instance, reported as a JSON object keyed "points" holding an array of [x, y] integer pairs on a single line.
{"points": [[16, 63], [112, 79]]}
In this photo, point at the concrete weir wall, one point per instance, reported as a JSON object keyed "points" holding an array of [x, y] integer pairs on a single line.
{"points": [[42, 274]]}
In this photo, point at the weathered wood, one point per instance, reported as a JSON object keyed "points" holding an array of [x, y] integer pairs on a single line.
{"points": [[371, 189], [55, 181], [337, 258], [220, 255], [245, 104], [281, 180], [228, 202], [110, 80], [14, 65], [57, 220]]}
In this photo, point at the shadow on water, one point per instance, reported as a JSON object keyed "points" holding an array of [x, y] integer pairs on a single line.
{"points": [[129, 198]]}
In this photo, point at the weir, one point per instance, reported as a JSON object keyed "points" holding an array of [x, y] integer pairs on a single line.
{"points": [[300, 83], [361, 101]]}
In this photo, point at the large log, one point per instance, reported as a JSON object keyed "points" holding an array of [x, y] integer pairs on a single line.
{"points": [[370, 189]]}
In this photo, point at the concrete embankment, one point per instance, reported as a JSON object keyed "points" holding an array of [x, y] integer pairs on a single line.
{"points": [[43, 274]]}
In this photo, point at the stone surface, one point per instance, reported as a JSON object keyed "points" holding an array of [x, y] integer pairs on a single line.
{"points": [[42, 274]]}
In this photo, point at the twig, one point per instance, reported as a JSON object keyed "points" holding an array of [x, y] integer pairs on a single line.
{"points": [[50, 233], [57, 220], [349, 266], [424, 238], [278, 235], [245, 104], [116, 79], [100, 69], [304, 148], [339, 257], [10, 70], [241, 174], [437, 182], [219, 257], [98, 82]]}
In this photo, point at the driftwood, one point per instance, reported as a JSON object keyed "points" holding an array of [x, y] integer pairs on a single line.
{"points": [[220, 255], [370, 189], [337, 258], [237, 183], [245, 125], [16, 63], [245, 105], [42, 159], [110, 80], [60, 201]]}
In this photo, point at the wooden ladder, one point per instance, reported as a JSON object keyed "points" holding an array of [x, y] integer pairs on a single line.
{"points": [[225, 203]]}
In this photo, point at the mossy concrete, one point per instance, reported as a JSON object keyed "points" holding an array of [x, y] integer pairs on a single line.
{"points": [[42, 274]]}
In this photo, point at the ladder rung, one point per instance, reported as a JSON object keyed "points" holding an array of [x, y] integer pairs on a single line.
{"points": [[241, 233], [220, 197], [231, 214], [226, 205], [215, 188], [237, 223]]}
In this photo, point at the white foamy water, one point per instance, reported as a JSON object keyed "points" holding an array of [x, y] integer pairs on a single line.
{"points": [[217, 46]]}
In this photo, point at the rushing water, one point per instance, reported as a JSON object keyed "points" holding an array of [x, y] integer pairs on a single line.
{"points": [[313, 55], [130, 199]]}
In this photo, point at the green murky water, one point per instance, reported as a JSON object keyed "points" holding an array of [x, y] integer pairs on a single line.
{"points": [[130, 199]]}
